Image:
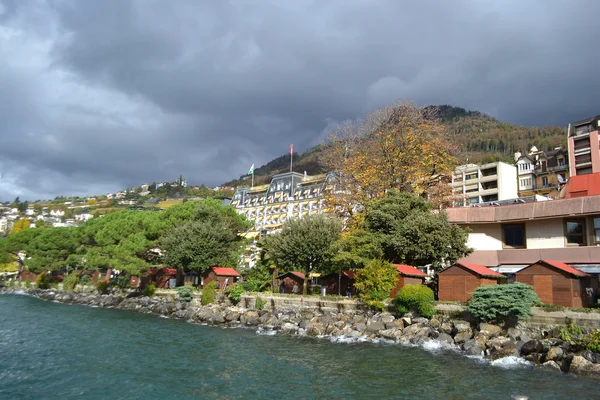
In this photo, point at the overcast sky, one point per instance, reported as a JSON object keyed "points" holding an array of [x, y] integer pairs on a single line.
{"points": [[100, 95]]}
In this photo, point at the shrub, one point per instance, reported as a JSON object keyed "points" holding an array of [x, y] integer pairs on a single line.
{"points": [[235, 292], [84, 279], [417, 298], [27, 283], [499, 302], [185, 292], [260, 303], [70, 282], [374, 283], [43, 281], [149, 290], [102, 286], [593, 341], [208, 293]]}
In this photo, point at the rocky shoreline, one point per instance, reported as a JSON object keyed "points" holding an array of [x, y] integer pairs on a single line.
{"points": [[537, 345]]}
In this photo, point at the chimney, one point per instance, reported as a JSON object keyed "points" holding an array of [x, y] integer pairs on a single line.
{"points": [[517, 155]]}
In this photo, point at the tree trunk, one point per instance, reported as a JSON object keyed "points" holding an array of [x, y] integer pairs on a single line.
{"points": [[305, 288]]}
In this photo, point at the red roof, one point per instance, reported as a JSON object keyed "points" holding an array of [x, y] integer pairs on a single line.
{"points": [[564, 267], [583, 185], [225, 271], [348, 273], [480, 269], [298, 274], [166, 271], [409, 270]]}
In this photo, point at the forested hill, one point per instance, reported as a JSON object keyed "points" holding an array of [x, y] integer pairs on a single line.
{"points": [[479, 137]]}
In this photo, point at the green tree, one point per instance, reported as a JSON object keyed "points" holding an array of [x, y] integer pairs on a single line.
{"points": [[374, 283], [211, 237], [52, 249], [412, 234], [304, 243], [40, 223], [353, 250]]}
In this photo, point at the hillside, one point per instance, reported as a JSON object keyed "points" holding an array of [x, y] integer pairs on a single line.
{"points": [[479, 137]]}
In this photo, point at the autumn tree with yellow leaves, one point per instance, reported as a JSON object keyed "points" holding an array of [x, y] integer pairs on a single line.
{"points": [[402, 147]]}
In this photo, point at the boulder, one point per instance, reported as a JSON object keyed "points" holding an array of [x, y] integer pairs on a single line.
{"points": [[445, 338], [406, 321], [420, 320], [489, 330], [232, 316], [462, 337], [360, 327], [375, 326], [392, 334], [590, 356], [446, 327], [536, 358], [581, 366], [552, 365], [532, 346], [315, 329], [435, 323], [554, 354], [289, 328], [502, 346], [415, 333], [472, 347], [216, 318]]}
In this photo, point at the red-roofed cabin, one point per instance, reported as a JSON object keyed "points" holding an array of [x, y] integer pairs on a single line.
{"points": [[407, 275], [225, 276], [287, 281], [457, 282], [343, 280], [162, 278], [555, 283]]}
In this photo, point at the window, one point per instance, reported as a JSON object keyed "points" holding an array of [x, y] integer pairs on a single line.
{"points": [[596, 230], [575, 231], [561, 162], [525, 183], [514, 235], [545, 181]]}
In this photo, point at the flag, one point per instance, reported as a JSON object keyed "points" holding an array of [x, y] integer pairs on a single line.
{"points": [[251, 170], [291, 149]]}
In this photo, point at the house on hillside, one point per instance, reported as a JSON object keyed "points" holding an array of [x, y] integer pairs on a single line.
{"points": [[557, 283], [457, 282]]}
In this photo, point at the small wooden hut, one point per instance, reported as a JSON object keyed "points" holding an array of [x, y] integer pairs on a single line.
{"points": [[556, 283], [456, 282], [225, 276], [341, 283], [287, 281], [161, 277], [407, 275]]}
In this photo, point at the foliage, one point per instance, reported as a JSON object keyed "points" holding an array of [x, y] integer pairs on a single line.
{"points": [[235, 292], [401, 147], [353, 250], [412, 234], [593, 341], [304, 244], [374, 283], [102, 286], [260, 303], [20, 225], [417, 298], [571, 334], [70, 282], [52, 249], [498, 302], [43, 281], [149, 290], [210, 238], [208, 293], [185, 293]]}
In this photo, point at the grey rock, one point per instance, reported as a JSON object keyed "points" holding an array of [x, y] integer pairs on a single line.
{"points": [[472, 347], [360, 327], [375, 326], [289, 328], [461, 327], [552, 365], [407, 321], [532, 346], [489, 330], [420, 320], [445, 338], [581, 366], [446, 327], [392, 334], [315, 329], [554, 353], [462, 337]]}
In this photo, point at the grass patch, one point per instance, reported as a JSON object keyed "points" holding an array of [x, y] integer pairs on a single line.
{"points": [[169, 203]]}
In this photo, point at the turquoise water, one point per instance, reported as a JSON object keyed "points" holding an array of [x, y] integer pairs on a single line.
{"points": [[57, 351]]}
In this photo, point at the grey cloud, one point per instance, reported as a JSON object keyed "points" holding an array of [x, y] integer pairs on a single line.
{"points": [[100, 95]]}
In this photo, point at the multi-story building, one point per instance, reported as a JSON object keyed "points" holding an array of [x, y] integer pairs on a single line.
{"points": [[507, 238], [584, 146], [473, 183], [289, 195], [542, 172]]}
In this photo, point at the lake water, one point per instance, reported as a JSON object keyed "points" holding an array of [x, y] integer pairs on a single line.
{"points": [[57, 351]]}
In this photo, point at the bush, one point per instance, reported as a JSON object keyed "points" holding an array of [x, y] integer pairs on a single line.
{"points": [[260, 303], [500, 302], [593, 341], [235, 292], [417, 298], [149, 290], [70, 282], [102, 286], [184, 292], [43, 281], [574, 336], [208, 293], [84, 279], [374, 283]]}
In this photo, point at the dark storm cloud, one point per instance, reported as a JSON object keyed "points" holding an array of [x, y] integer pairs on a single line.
{"points": [[101, 95]]}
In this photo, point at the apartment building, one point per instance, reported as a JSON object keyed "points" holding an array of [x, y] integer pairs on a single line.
{"points": [[474, 184], [510, 237], [542, 172], [584, 146]]}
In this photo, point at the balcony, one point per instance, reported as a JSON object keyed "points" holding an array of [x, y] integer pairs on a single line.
{"points": [[488, 178]]}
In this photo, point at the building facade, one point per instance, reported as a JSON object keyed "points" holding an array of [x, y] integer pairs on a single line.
{"points": [[584, 146], [474, 184], [542, 172], [289, 195]]}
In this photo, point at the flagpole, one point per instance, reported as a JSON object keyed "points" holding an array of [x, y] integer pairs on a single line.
{"points": [[291, 156], [252, 180]]}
